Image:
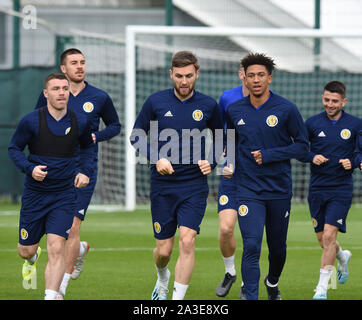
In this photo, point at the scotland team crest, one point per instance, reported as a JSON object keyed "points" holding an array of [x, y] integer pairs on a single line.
{"points": [[272, 121], [24, 234], [243, 210], [88, 107], [157, 227], [345, 134], [223, 200], [197, 115]]}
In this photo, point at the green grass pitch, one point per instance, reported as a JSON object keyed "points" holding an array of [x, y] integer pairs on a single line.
{"points": [[120, 265]]}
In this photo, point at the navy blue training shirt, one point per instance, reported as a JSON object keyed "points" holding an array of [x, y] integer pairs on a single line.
{"points": [[95, 104], [334, 140], [61, 171], [277, 129], [198, 112]]}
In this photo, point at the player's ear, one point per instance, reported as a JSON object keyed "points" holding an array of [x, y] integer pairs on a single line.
{"points": [[197, 73], [171, 73], [45, 93], [344, 102], [62, 68]]}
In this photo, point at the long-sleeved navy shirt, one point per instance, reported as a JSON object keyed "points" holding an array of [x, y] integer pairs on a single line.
{"points": [[95, 104], [358, 151], [168, 112], [61, 171], [334, 140], [276, 128]]}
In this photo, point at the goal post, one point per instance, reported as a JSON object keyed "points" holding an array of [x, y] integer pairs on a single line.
{"points": [[131, 66], [148, 50]]}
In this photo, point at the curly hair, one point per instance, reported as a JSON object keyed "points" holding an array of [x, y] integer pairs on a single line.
{"points": [[257, 58]]}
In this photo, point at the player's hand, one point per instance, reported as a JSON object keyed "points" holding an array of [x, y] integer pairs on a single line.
{"points": [[346, 164], [228, 171], [204, 166], [163, 167], [39, 173], [319, 159], [81, 180], [257, 157], [94, 138]]}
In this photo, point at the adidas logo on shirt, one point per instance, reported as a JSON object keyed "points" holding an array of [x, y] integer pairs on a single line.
{"points": [[321, 134], [168, 114], [340, 221], [241, 122]]}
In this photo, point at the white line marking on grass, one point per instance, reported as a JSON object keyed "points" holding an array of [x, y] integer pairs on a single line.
{"points": [[9, 212], [296, 248]]}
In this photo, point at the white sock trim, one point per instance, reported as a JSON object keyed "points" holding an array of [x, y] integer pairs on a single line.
{"points": [[229, 265], [179, 291]]}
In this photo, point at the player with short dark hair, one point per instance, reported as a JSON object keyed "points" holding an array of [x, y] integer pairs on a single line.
{"points": [[95, 104], [179, 186], [358, 159], [270, 131], [227, 201], [332, 134], [52, 134]]}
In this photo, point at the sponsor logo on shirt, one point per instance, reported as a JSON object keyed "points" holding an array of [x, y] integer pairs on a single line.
{"points": [[321, 134], [168, 114], [241, 122]]}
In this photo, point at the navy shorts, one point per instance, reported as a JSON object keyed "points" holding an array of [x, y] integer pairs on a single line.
{"points": [[45, 212], [226, 195], [84, 196], [329, 207], [173, 206]]}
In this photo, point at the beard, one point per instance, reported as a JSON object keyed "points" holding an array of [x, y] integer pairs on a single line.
{"points": [[188, 92], [76, 78]]}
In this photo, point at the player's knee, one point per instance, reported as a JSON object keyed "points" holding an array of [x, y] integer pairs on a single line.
{"points": [[26, 252], [164, 252], [226, 231], [55, 249], [187, 244], [328, 239], [163, 249], [74, 232], [278, 253], [252, 247]]}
